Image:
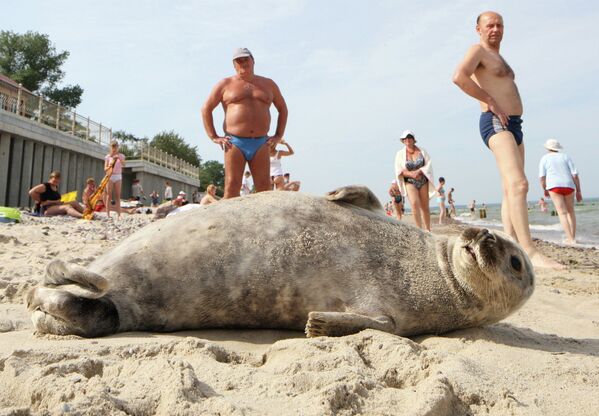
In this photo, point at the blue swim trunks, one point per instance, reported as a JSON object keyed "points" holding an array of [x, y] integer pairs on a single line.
{"points": [[490, 125], [248, 145]]}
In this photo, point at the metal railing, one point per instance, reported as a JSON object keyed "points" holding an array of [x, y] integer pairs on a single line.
{"points": [[158, 157], [37, 109]]}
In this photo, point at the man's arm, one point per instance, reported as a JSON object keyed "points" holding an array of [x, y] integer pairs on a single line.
{"points": [[462, 77], [281, 106], [214, 98]]}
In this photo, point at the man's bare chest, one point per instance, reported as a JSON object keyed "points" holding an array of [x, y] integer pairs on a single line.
{"points": [[493, 65], [241, 91]]}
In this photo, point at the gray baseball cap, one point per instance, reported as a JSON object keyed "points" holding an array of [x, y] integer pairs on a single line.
{"points": [[241, 53]]}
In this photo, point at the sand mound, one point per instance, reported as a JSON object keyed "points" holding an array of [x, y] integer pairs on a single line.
{"points": [[371, 372]]}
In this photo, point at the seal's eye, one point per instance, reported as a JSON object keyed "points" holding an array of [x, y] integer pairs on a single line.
{"points": [[516, 263]]}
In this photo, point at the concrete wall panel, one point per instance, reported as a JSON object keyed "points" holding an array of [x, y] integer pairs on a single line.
{"points": [[14, 176], [37, 175], [26, 174], [5, 141], [48, 157], [64, 168]]}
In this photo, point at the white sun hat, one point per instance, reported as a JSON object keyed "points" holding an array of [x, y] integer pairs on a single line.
{"points": [[553, 144]]}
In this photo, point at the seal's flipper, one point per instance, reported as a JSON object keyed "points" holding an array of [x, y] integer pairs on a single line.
{"points": [[337, 324], [357, 195], [75, 279]]}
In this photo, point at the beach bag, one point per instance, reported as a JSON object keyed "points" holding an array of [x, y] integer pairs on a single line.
{"points": [[9, 215]]}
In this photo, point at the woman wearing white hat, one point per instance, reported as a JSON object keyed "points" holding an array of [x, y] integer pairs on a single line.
{"points": [[559, 179], [414, 173]]}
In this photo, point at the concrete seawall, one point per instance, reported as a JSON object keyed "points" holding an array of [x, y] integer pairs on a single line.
{"points": [[29, 151]]}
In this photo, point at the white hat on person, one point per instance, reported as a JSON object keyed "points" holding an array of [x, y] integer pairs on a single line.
{"points": [[242, 53], [407, 133], [553, 144]]}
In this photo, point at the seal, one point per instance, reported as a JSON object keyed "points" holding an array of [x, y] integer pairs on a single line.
{"points": [[331, 266]]}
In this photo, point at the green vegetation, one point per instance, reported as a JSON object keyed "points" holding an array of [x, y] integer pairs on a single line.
{"points": [[174, 144], [32, 60], [212, 172]]}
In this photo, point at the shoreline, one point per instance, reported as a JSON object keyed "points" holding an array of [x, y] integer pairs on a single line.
{"points": [[544, 359]]}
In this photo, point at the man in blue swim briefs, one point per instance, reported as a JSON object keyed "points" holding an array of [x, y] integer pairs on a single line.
{"points": [[485, 75], [246, 99]]}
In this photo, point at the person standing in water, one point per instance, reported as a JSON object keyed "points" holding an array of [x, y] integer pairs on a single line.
{"points": [[441, 200], [486, 76], [451, 202], [560, 181]]}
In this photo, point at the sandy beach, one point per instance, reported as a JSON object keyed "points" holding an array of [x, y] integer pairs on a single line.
{"points": [[543, 360]]}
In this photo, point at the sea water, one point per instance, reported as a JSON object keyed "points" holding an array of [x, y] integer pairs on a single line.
{"points": [[543, 225]]}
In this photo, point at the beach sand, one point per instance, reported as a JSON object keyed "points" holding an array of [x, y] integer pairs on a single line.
{"points": [[543, 360]]}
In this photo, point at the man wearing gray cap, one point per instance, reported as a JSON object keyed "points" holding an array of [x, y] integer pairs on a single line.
{"points": [[246, 99]]}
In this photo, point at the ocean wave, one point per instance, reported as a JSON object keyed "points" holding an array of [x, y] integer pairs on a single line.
{"points": [[477, 222], [546, 227]]}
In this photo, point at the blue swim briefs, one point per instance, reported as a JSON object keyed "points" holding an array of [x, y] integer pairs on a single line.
{"points": [[248, 145], [490, 125]]}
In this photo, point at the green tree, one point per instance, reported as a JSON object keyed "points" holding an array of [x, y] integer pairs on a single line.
{"points": [[174, 144], [129, 144], [212, 172], [32, 60]]}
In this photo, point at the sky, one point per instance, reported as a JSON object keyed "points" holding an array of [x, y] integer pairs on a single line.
{"points": [[354, 74]]}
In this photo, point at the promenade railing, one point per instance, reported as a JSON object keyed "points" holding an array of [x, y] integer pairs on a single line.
{"points": [[36, 108]]}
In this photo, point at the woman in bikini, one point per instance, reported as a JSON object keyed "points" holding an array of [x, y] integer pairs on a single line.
{"points": [[414, 172], [276, 170], [116, 179]]}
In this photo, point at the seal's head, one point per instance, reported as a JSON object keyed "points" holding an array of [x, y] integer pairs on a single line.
{"points": [[71, 301], [495, 269]]}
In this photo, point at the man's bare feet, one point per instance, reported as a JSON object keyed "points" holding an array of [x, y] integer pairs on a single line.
{"points": [[539, 261]]}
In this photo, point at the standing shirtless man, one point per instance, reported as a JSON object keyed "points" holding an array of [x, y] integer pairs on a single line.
{"points": [[486, 76], [246, 99]]}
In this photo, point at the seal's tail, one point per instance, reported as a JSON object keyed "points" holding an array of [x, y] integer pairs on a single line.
{"points": [[75, 279]]}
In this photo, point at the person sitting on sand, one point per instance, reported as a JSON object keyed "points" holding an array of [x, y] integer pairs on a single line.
{"points": [[47, 199], [88, 191], [559, 178], [289, 184], [164, 209], [210, 196]]}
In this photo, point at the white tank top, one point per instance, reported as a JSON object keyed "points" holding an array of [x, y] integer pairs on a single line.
{"points": [[275, 165]]}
